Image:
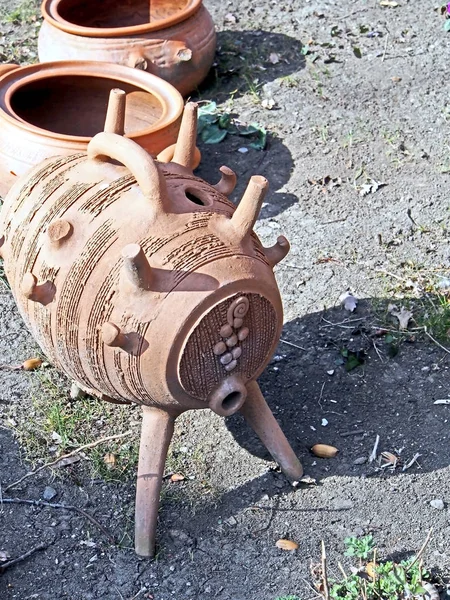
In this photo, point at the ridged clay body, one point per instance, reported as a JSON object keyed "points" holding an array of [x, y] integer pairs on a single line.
{"points": [[174, 40], [144, 283]]}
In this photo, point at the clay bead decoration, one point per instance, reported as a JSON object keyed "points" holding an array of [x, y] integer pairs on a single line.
{"points": [[56, 108], [103, 251], [174, 40]]}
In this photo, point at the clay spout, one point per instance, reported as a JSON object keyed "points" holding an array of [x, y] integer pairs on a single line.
{"points": [[228, 397], [184, 154], [227, 182], [248, 208], [115, 114], [278, 251]]}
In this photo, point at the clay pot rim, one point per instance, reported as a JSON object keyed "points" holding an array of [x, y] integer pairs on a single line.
{"points": [[49, 10], [170, 99]]}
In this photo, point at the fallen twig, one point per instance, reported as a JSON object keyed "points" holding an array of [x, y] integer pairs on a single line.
{"points": [[66, 507], [54, 462], [326, 592], [421, 551], [356, 432], [411, 462], [10, 563], [294, 345], [373, 454]]}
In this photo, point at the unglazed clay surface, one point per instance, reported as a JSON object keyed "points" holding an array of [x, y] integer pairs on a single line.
{"points": [[174, 40], [143, 283], [55, 108]]}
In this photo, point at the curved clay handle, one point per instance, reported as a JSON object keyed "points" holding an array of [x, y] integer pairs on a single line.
{"points": [[127, 152], [7, 68]]}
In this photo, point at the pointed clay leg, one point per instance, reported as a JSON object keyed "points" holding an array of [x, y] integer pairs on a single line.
{"points": [[259, 416], [156, 433]]}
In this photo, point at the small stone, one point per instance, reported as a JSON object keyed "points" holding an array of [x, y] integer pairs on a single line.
{"points": [[230, 521], [243, 334], [49, 493], [324, 422], [226, 358], [232, 341], [437, 503], [360, 461]]}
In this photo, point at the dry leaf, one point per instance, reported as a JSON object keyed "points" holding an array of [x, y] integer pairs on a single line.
{"points": [[177, 477], [403, 315], [110, 460], [32, 364], [389, 459], [389, 4], [286, 545], [274, 58], [349, 301], [396, 79], [324, 451], [268, 103], [370, 570]]}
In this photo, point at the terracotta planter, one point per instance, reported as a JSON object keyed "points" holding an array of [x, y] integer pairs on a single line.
{"points": [[174, 39], [55, 108], [144, 283]]}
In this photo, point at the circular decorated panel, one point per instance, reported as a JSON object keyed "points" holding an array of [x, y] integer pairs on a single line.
{"points": [[235, 337]]}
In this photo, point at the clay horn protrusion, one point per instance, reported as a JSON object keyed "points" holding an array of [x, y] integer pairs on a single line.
{"points": [[184, 154], [115, 113], [228, 181], [248, 208], [137, 266], [278, 251]]}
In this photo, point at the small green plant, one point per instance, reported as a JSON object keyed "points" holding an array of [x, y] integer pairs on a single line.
{"points": [[384, 580], [214, 126], [359, 547]]}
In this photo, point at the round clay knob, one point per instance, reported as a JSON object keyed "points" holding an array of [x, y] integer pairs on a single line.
{"points": [[219, 348], [243, 334], [236, 352], [232, 365], [232, 341], [226, 331], [226, 358]]}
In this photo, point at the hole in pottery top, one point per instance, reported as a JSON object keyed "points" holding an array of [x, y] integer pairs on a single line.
{"points": [[113, 13], [197, 197], [76, 105]]}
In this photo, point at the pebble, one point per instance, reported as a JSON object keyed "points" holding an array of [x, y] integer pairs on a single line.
{"points": [[360, 461], [49, 493], [437, 503]]}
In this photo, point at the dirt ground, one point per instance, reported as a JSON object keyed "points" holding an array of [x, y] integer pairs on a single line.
{"points": [[354, 95]]}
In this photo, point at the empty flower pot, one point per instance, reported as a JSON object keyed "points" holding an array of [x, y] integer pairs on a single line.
{"points": [[56, 108], [174, 39]]}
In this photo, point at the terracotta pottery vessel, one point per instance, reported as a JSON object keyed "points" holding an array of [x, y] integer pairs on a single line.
{"points": [[55, 109], [144, 283], [174, 39]]}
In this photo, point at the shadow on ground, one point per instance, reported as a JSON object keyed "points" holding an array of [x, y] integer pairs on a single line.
{"points": [[246, 60]]}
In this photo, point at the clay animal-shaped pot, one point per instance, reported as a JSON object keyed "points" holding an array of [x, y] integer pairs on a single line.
{"points": [[144, 283], [174, 40], [55, 109]]}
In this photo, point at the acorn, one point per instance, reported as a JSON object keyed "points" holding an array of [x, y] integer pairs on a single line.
{"points": [[324, 451]]}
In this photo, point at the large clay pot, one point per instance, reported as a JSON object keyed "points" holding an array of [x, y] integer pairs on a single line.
{"points": [[144, 283], [174, 39], [55, 108]]}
